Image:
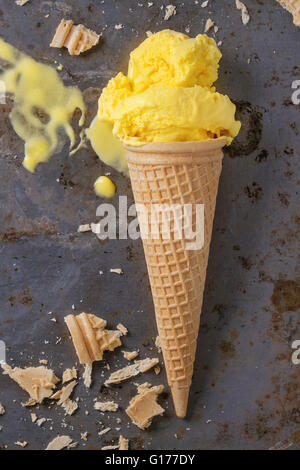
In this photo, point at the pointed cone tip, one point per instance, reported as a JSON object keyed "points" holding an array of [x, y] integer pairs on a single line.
{"points": [[180, 399]]}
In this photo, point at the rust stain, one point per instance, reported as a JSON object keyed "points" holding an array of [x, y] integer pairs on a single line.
{"points": [[24, 297], [245, 262], [286, 296], [227, 348], [38, 228], [138, 443]]}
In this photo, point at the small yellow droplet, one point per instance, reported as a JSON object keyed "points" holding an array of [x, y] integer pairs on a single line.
{"points": [[104, 187]]}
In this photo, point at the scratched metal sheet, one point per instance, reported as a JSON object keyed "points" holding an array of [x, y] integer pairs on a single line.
{"points": [[245, 393]]}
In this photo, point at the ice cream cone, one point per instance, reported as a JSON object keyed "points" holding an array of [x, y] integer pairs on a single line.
{"points": [[177, 173]]}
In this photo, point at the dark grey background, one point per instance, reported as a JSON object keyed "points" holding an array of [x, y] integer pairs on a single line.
{"points": [[245, 393]]}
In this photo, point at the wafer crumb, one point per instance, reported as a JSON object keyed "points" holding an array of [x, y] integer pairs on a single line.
{"points": [[116, 271], [30, 402], [245, 15], [84, 436], [33, 417], [21, 3], [143, 407], [110, 447], [84, 228], [41, 421], [170, 11], [131, 371], [106, 406], [21, 443], [157, 370], [123, 443], [122, 328], [104, 431], [87, 375], [59, 443], [208, 25], [130, 355], [158, 344], [76, 39], [2, 409], [44, 362]]}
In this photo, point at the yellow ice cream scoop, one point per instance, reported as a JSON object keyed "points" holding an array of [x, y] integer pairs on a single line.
{"points": [[175, 115], [168, 95], [173, 59]]}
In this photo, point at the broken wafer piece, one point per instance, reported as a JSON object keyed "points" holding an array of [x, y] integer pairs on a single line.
{"points": [[76, 39], [106, 406], [144, 407], [38, 382], [90, 338], [59, 443], [293, 6], [63, 397], [2, 410], [131, 371], [123, 443], [69, 374]]}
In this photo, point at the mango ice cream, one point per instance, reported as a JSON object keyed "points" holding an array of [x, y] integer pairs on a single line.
{"points": [[167, 95]]}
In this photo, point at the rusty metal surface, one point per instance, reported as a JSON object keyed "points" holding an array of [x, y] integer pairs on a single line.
{"points": [[245, 393]]}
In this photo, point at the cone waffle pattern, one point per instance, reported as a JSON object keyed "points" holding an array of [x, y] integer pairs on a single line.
{"points": [[177, 275]]}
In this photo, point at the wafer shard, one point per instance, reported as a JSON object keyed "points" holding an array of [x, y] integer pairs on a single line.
{"points": [[39, 382], [63, 394], [293, 6], [2, 410], [131, 371], [63, 397], [106, 406], [59, 443], [144, 407], [90, 337], [68, 375], [76, 39], [123, 443]]}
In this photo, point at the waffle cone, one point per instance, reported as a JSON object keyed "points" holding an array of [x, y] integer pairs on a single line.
{"points": [[177, 173]]}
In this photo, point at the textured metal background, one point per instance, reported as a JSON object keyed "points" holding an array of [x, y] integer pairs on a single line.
{"points": [[245, 393]]}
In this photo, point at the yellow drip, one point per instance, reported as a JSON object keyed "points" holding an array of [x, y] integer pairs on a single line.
{"points": [[108, 148], [43, 104], [104, 187]]}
